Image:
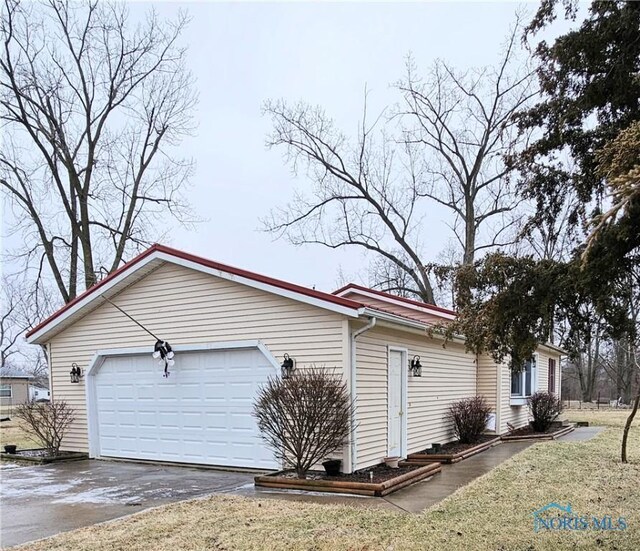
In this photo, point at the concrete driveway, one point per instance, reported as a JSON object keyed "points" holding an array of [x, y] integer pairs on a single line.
{"points": [[44, 500]]}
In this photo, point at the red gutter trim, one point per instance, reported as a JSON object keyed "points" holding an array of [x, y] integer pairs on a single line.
{"points": [[93, 289], [389, 295], [204, 262]]}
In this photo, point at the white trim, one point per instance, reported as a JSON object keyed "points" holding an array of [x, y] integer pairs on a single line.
{"points": [[101, 355], [404, 392], [166, 257], [10, 390], [425, 309], [521, 399], [294, 295]]}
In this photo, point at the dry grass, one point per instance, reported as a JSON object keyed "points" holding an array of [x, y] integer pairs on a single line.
{"points": [[11, 432], [607, 418], [493, 513]]}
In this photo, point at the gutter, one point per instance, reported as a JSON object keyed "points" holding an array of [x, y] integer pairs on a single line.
{"points": [[412, 324], [352, 384]]}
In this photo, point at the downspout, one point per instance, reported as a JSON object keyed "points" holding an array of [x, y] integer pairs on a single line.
{"points": [[354, 396]]}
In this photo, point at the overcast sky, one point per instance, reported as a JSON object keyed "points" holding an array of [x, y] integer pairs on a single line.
{"points": [[242, 54]]}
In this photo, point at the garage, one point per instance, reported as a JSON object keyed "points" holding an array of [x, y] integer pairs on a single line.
{"points": [[200, 413]]}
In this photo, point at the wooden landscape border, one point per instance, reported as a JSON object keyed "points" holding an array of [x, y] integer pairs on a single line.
{"points": [[539, 436], [17, 458], [423, 458], [349, 487]]}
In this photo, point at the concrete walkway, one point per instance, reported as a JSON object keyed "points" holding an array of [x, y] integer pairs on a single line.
{"points": [[422, 495], [415, 499]]}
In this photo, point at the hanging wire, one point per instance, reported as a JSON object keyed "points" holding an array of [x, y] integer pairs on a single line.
{"points": [[130, 317]]}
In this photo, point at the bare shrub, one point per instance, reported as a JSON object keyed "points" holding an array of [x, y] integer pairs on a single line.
{"points": [[304, 418], [48, 421], [469, 418], [544, 408]]}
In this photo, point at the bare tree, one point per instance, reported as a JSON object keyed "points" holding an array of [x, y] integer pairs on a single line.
{"points": [[371, 192], [21, 307], [91, 106], [466, 125], [358, 198], [304, 418]]}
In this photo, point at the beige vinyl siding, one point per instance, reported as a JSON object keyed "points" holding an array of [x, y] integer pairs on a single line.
{"points": [[448, 374], [187, 307], [543, 360], [519, 416], [19, 392], [487, 379]]}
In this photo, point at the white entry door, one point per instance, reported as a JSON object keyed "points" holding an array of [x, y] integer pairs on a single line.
{"points": [[201, 413], [396, 399]]}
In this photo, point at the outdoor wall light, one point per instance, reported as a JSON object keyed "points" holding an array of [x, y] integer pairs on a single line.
{"points": [[288, 367], [76, 373], [416, 367]]}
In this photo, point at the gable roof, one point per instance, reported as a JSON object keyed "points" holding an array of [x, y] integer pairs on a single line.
{"points": [[157, 255], [13, 373], [394, 299]]}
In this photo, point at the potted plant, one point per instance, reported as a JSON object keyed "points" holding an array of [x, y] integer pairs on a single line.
{"points": [[332, 466], [10, 448], [392, 462]]}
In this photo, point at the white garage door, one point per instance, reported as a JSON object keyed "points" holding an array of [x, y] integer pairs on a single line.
{"points": [[201, 413]]}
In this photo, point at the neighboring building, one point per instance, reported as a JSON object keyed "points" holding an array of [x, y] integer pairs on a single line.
{"points": [[14, 387], [230, 329], [39, 393]]}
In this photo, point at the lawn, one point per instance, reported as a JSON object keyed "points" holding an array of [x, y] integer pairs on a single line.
{"points": [[493, 513], [11, 432]]}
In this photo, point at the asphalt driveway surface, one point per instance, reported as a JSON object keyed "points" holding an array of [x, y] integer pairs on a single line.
{"points": [[43, 500]]}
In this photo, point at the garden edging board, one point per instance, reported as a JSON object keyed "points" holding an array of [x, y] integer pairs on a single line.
{"points": [[540, 436], [418, 458], [348, 487]]}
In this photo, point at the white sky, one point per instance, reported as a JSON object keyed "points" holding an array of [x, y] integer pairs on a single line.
{"points": [[324, 53], [245, 53]]}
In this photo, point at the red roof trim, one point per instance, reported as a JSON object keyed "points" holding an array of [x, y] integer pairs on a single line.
{"points": [[93, 289], [209, 264], [395, 297]]}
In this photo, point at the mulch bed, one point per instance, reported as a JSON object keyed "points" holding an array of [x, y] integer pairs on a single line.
{"points": [[40, 455], [453, 452], [385, 480], [527, 433], [381, 473], [452, 448]]}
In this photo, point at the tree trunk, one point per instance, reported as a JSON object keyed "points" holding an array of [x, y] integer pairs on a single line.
{"points": [[627, 427]]}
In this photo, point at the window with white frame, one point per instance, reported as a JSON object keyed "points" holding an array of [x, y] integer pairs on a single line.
{"points": [[5, 391], [523, 382]]}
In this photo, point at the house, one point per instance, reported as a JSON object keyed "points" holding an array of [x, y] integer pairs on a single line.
{"points": [[230, 329], [39, 393], [14, 387]]}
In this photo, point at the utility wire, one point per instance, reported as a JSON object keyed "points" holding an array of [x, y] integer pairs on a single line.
{"points": [[130, 317]]}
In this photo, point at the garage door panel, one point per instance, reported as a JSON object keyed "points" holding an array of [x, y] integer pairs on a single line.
{"points": [[201, 413]]}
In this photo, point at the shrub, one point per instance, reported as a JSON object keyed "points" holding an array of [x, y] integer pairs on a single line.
{"points": [[48, 421], [469, 418], [544, 408], [303, 418]]}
